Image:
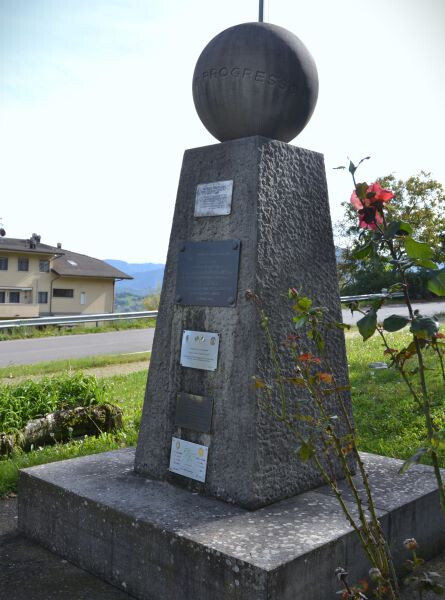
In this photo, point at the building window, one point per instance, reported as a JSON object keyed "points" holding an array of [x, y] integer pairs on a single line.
{"points": [[14, 297], [23, 264], [3, 263], [83, 297], [44, 266], [62, 293], [2, 297], [43, 297]]}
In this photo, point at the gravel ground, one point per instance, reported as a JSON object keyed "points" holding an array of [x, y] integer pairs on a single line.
{"points": [[29, 572]]}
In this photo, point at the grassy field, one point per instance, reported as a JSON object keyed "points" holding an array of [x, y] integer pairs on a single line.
{"points": [[127, 392], [75, 364], [387, 419], [20, 333]]}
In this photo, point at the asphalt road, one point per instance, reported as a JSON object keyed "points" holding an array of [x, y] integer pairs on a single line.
{"points": [[427, 309], [25, 352]]}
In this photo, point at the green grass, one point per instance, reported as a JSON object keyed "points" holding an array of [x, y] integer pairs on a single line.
{"points": [[388, 420], [74, 364], [32, 399], [127, 392], [19, 333]]}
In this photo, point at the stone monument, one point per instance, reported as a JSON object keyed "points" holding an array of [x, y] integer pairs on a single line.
{"points": [[215, 505], [240, 226]]}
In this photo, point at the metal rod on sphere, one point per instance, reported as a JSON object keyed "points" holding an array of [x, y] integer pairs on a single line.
{"points": [[261, 11]]}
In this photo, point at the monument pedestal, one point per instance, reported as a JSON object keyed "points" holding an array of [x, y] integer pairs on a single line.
{"points": [[280, 226], [251, 521], [159, 542]]}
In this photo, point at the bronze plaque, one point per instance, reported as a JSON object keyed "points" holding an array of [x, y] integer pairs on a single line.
{"points": [[208, 273], [194, 412]]}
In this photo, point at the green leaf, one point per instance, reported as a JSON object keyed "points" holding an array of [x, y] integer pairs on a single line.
{"points": [[305, 452], [300, 321], [378, 303], [413, 460], [416, 249], [437, 283], [338, 168], [367, 324], [426, 263], [303, 304], [361, 190], [395, 322], [352, 167], [366, 158], [397, 228], [362, 252], [438, 439], [405, 228], [424, 327], [396, 287]]}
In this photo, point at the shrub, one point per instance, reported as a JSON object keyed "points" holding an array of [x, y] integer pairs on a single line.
{"points": [[31, 399]]}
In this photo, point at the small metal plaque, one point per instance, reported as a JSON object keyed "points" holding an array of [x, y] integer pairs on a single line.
{"points": [[208, 273], [213, 199], [188, 459], [199, 350], [194, 412]]}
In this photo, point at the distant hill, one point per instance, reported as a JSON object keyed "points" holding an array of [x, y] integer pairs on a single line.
{"points": [[147, 276]]}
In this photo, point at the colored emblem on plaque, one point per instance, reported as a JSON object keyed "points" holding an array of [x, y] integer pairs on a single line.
{"points": [[188, 459], [198, 351]]}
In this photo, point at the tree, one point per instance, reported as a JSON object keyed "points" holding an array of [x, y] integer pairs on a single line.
{"points": [[151, 302], [420, 200]]}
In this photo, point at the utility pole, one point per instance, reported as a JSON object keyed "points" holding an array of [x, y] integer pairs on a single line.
{"points": [[261, 11]]}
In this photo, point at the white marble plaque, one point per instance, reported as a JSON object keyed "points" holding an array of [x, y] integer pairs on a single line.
{"points": [[199, 350], [213, 199], [188, 459]]}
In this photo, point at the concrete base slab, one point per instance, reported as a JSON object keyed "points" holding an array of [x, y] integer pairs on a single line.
{"points": [[158, 542]]}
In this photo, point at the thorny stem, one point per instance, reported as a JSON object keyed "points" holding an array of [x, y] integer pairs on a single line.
{"points": [[439, 354], [375, 547], [426, 405], [401, 370]]}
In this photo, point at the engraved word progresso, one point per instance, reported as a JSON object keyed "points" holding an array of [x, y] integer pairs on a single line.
{"points": [[248, 74]]}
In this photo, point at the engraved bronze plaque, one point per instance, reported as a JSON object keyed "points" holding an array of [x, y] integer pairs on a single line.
{"points": [[194, 412], [208, 273]]}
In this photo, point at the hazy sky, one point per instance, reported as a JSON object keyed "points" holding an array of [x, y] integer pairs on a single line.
{"points": [[96, 107]]}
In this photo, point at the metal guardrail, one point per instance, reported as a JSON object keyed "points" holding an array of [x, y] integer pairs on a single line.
{"points": [[73, 319], [347, 299], [142, 314]]}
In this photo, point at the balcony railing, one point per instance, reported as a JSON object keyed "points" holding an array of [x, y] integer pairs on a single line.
{"points": [[18, 310]]}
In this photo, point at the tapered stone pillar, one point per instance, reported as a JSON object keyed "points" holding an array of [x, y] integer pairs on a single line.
{"points": [[280, 216]]}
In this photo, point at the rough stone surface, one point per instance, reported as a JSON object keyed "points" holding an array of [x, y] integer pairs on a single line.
{"points": [[157, 541], [280, 212], [255, 79]]}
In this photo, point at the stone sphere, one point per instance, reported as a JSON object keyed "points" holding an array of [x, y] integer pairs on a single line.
{"points": [[255, 79]]}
